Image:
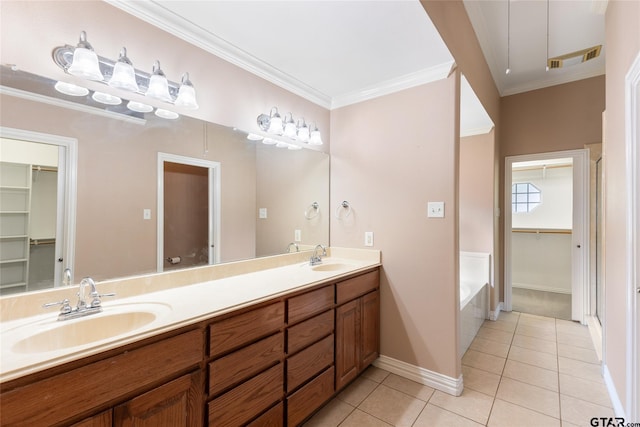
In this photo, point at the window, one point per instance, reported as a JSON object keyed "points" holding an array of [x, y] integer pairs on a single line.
{"points": [[525, 197]]}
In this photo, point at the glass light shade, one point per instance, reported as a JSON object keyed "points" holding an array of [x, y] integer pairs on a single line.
{"points": [[303, 132], [85, 64], [166, 114], [290, 127], [124, 76], [71, 89], [269, 141], [187, 97], [275, 124], [281, 144], [105, 98], [254, 137], [315, 138], [139, 107], [158, 85]]}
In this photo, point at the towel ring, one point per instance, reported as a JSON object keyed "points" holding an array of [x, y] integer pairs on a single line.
{"points": [[344, 205], [312, 211]]}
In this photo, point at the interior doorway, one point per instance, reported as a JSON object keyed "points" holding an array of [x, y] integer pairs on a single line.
{"points": [[546, 229], [188, 212]]}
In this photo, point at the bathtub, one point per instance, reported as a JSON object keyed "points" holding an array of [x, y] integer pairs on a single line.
{"points": [[475, 277]]}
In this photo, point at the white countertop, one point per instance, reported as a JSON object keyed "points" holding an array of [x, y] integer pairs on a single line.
{"points": [[174, 308]]}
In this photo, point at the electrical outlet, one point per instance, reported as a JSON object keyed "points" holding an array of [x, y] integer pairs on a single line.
{"points": [[262, 213], [368, 238], [435, 210], [297, 236], [146, 214]]}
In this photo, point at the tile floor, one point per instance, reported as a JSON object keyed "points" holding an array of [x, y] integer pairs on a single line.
{"points": [[522, 370]]}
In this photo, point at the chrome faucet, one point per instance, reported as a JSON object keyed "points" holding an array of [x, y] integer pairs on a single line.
{"points": [[317, 258], [295, 245], [82, 308]]}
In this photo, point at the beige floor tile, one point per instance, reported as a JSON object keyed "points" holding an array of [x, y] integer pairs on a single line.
{"points": [[375, 374], [505, 414], [578, 353], [490, 347], [331, 415], [360, 419], [484, 361], [500, 325], [540, 332], [434, 416], [591, 391], [535, 358], [532, 397], [509, 316], [580, 412], [574, 340], [470, 404], [412, 388], [577, 368], [479, 380], [534, 318], [495, 335], [392, 406], [533, 375], [357, 391], [573, 328], [568, 424], [535, 344]]}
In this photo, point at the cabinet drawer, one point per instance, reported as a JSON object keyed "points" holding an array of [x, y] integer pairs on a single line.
{"points": [[236, 331], [274, 417], [309, 398], [306, 305], [360, 285], [244, 363], [309, 362], [309, 331], [241, 404], [53, 400]]}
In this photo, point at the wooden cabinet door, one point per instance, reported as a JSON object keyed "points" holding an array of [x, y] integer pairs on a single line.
{"points": [[370, 328], [103, 419], [347, 342], [178, 404]]}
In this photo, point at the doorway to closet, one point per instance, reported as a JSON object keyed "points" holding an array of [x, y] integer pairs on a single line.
{"points": [[546, 234]]}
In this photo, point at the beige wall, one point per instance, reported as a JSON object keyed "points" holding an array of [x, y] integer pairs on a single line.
{"points": [[389, 157], [623, 45], [227, 94]]}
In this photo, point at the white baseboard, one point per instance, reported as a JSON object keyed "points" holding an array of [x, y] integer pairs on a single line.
{"points": [[541, 288], [618, 409], [494, 314], [420, 375]]}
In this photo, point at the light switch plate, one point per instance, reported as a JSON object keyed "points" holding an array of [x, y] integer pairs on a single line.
{"points": [[297, 236], [262, 213], [146, 214], [435, 209], [368, 238]]}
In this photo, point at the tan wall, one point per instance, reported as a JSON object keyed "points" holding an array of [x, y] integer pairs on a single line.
{"points": [[227, 94], [389, 157], [476, 193], [623, 45]]}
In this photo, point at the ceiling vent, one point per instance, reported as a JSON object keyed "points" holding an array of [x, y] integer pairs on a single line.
{"points": [[574, 58]]}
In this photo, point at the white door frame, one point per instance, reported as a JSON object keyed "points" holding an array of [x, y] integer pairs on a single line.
{"points": [[214, 204], [580, 240], [632, 138], [66, 209]]}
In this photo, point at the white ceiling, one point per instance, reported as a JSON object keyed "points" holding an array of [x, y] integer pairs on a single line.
{"points": [[336, 53], [573, 25]]}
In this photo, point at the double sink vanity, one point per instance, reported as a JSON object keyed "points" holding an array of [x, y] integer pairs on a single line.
{"points": [[262, 342]]}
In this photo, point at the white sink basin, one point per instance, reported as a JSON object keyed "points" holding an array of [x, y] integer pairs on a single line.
{"points": [[331, 267], [113, 321]]}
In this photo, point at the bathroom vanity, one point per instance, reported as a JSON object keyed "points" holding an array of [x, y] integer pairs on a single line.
{"points": [[272, 361]]}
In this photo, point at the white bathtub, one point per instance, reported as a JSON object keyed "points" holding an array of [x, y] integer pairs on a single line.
{"points": [[475, 277]]}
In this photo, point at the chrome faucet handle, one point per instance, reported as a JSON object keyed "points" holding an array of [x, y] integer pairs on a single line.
{"points": [[96, 301], [66, 307]]}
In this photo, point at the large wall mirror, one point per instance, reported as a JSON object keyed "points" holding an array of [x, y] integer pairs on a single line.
{"points": [[262, 201]]}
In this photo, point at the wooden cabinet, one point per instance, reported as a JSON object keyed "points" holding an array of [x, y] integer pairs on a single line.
{"points": [[176, 404], [103, 419], [357, 326]]}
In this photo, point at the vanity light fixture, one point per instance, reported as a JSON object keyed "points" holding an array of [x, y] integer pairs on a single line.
{"points": [[82, 61], [71, 89], [106, 98], [284, 130]]}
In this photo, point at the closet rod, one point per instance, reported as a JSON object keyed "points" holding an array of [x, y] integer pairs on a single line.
{"points": [[44, 168], [38, 242], [540, 231]]}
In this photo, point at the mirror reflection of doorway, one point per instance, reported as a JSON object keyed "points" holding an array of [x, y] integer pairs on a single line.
{"points": [[188, 212]]}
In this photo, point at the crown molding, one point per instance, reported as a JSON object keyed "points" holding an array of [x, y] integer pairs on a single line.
{"points": [[158, 16], [541, 84], [407, 81]]}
